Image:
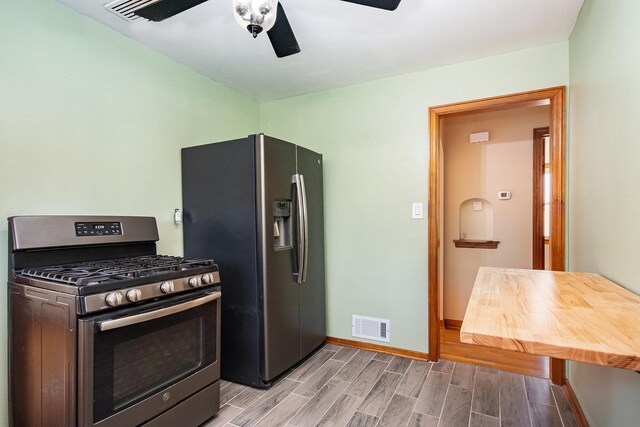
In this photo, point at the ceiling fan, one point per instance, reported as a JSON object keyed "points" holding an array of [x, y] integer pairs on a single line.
{"points": [[254, 15]]}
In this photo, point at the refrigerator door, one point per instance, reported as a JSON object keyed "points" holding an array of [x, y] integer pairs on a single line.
{"points": [[275, 165], [312, 289]]}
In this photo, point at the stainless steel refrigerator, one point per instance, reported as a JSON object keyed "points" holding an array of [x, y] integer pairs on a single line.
{"points": [[255, 205]]}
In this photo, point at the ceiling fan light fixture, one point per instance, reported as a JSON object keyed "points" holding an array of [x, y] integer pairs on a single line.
{"points": [[254, 30], [255, 15]]}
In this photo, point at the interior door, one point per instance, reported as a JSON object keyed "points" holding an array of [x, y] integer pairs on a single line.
{"points": [[276, 164], [312, 290], [541, 199]]}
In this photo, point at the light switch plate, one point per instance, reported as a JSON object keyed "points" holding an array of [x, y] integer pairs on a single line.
{"points": [[417, 211]]}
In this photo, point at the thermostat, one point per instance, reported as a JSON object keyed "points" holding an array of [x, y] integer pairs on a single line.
{"points": [[504, 195]]}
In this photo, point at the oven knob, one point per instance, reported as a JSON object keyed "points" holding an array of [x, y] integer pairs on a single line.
{"points": [[113, 299], [194, 282], [134, 295], [207, 278], [167, 287]]}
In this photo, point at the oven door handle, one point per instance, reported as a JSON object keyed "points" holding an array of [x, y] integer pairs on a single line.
{"points": [[156, 314]]}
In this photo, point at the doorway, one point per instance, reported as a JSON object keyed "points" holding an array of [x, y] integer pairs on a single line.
{"points": [[541, 198], [555, 99]]}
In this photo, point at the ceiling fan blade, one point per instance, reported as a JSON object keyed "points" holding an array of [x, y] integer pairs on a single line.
{"points": [[281, 35], [164, 9], [379, 4]]}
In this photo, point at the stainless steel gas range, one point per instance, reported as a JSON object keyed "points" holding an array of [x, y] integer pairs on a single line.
{"points": [[105, 332]]}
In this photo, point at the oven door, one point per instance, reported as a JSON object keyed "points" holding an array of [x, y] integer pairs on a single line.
{"points": [[136, 363]]}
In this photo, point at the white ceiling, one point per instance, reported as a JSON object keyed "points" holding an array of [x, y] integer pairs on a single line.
{"points": [[343, 43]]}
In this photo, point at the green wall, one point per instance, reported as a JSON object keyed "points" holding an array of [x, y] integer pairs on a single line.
{"points": [[92, 122], [374, 138], [604, 175]]}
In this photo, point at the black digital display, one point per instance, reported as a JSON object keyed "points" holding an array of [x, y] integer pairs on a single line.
{"points": [[86, 229], [281, 209]]}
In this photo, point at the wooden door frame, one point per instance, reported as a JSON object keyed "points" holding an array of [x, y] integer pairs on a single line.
{"points": [[538, 198], [555, 97]]}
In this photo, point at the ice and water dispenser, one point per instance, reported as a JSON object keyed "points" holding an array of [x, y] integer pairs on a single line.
{"points": [[282, 225]]}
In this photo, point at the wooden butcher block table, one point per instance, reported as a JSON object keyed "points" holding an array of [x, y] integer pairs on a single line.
{"points": [[574, 316]]}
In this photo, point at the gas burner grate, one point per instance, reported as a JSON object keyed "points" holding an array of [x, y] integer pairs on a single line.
{"points": [[98, 272]]}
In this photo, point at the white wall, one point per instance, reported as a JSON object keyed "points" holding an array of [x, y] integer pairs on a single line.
{"points": [[481, 171], [604, 172]]}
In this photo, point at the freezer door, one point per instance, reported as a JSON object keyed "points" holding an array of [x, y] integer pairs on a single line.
{"points": [[312, 289], [276, 164]]}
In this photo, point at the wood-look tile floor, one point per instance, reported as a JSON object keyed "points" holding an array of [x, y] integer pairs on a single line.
{"points": [[341, 386]]}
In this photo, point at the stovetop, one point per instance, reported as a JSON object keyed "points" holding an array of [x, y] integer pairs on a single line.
{"points": [[106, 262], [125, 271], [119, 282]]}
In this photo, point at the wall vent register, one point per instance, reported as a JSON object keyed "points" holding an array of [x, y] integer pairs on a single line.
{"points": [[370, 328]]}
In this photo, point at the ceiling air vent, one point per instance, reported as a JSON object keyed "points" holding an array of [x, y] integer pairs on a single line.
{"points": [[125, 8], [370, 328]]}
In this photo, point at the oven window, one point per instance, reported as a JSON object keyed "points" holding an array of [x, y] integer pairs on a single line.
{"points": [[134, 362]]}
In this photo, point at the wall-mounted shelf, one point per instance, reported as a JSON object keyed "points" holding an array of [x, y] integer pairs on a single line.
{"points": [[477, 244]]}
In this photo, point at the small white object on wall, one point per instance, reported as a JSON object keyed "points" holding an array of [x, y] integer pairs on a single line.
{"points": [[371, 328], [477, 206], [504, 195], [417, 211], [478, 137], [177, 216]]}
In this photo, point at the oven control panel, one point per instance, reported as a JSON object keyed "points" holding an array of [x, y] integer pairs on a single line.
{"points": [[98, 229], [148, 291]]}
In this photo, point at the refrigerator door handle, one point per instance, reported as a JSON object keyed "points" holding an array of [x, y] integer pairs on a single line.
{"points": [[305, 259], [302, 243]]}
